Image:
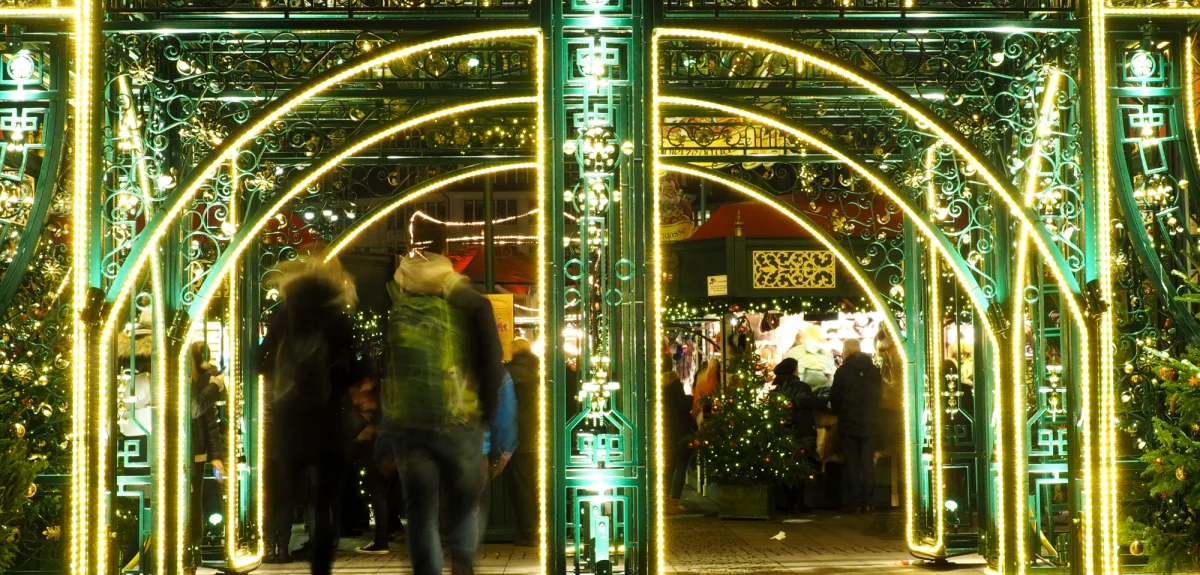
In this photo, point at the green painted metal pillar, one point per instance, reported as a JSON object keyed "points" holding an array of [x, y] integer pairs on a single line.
{"points": [[598, 346]]}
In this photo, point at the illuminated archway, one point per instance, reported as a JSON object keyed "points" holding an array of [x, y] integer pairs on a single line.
{"points": [[1034, 230], [145, 248], [913, 214]]}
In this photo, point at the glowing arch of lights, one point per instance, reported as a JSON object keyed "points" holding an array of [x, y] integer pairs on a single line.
{"points": [[939, 242], [1037, 232], [145, 249]]}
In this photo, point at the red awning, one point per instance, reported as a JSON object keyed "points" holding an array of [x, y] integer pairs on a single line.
{"points": [[515, 273]]}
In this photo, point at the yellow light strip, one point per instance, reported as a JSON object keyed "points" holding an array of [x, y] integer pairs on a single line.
{"points": [[1153, 12], [1100, 134], [1189, 90], [381, 212], [80, 500], [46, 12], [976, 298], [656, 271], [1032, 174], [935, 344], [543, 293]]}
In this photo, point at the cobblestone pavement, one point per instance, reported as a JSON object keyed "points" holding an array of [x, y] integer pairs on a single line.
{"points": [[698, 545]]}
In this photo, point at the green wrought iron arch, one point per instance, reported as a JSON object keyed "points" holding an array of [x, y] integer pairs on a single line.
{"points": [[914, 109]]}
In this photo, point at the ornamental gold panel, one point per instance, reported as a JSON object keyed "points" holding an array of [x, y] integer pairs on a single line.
{"points": [[793, 269]]}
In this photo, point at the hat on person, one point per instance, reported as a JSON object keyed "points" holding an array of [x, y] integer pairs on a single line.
{"points": [[787, 367]]}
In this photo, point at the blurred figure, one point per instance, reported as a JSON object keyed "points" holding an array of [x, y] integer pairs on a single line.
{"points": [[855, 396], [499, 443], [521, 485], [816, 365], [207, 444], [364, 455], [804, 400], [678, 426], [309, 359], [440, 390]]}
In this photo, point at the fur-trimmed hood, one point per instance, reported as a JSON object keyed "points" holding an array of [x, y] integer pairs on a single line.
{"points": [[428, 274]]}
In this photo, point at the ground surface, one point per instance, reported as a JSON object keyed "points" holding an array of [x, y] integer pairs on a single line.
{"points": [[823, 542]]}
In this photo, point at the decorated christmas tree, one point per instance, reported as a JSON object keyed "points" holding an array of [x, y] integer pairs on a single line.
{"points": [[1170, 535], [17, 475], [747, 437]]}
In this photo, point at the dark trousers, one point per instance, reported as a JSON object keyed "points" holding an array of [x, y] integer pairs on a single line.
{"points": [[325, 473], [196, 502], [859, 455], [438, 465], [677, 468], [280, 503], [521, 488], [378, 488]]}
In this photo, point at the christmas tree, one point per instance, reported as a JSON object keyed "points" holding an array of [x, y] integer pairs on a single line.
{"points": [[1170, 535], [747, 437], [17, 475]]}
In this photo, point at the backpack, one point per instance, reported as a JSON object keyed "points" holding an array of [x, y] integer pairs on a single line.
{"points": [[425, 384]]}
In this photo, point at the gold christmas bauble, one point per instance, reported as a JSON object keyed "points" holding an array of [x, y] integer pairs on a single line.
{"points": [[31, 490], [14, 535], [1180, 474], [1137, 548], [17, 430], [1196, 428]]}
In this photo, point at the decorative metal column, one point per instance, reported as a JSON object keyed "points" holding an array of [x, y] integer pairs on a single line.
{"points": [[600, 484]]}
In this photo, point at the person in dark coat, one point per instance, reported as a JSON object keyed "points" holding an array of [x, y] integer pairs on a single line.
{"points": [[309, 360], [522, 477], [804, 400], [207, 445], [854, 397], [678, 425]]}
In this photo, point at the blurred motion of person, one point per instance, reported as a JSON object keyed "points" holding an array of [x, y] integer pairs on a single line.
{"points": [[855, 397], [499, 443], [441, 382], [207, 444], [521, 483], [679, 425], [309, 359], [803, 423]]}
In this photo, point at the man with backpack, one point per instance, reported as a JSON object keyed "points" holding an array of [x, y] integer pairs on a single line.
{"points": [[443, 372], [309, 363]]}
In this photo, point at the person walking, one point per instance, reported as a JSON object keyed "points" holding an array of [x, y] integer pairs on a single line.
{"points": [[521, 483], [444, 370], [310, 361], [855, 397]]}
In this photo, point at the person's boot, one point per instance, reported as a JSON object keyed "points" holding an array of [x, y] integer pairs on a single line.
{"points": [[272, 555], [673, 507], [285, 553]]}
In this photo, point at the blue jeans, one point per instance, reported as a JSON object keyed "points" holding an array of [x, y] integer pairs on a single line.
{"points": [[859, 455], [440, 465]]}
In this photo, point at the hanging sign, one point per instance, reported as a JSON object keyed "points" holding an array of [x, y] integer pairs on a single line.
{"points": [[502, 309], [718, 285]]}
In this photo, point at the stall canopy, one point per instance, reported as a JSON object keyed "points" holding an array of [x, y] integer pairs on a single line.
{"points": [[515, 273]]}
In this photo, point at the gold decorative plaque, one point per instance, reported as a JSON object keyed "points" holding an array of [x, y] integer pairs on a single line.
{"points": [[794, 269]]}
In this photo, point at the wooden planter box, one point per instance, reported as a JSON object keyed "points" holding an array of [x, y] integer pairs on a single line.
{"points": [[745, 501]]}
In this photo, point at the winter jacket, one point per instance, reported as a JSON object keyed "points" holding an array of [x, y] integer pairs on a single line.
{"points": [[804, 401], [524, 371], [677, 411], [501, 437], [432, 274], [206, 431], [855, 396], [327, 422]]}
